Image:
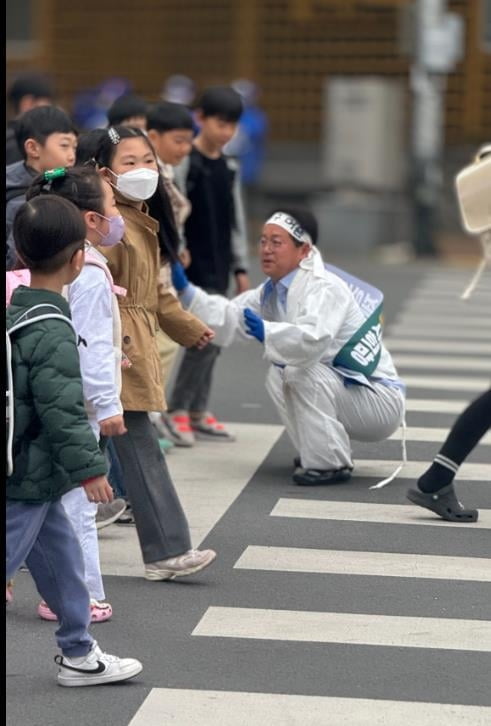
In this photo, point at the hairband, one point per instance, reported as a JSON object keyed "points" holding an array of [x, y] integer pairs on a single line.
{"points": [[291, 225], [54, 173], [114, 137]]}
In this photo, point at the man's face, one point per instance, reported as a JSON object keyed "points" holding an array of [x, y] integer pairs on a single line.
{"points": [[216, 130], [279, 254], [171, 146], [57, 150]]}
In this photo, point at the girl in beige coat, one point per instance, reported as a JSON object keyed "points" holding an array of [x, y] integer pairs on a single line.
{"points": [[127, 161]]}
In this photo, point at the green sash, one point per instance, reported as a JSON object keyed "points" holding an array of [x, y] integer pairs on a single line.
{"points": [[362, 351]]}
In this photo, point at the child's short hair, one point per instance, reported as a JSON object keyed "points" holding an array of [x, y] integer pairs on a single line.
{"points": [[81, 185], [48, 231], [106, 150], [87, 144], [125, 107], [32, 84], [221, 101], [167, 116], [304, 217], [41, 122]]}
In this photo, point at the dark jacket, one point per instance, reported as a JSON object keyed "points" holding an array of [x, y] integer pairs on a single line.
{"points": [[12, 151], [54, 448], [216, 238], [18, 178]]}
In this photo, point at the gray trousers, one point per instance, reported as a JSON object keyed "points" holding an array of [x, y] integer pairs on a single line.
{"points": [[42, 536], [193, 383], [160, 521]]}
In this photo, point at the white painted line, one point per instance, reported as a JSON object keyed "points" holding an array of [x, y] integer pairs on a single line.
{"points": [[208, 478], [447, 383], [419, 433], [371, 513], [373, 564], [443, 363], [428, 320], [346, 628], [187, 707], [435, 405], [422, 331], [436, 346], [381, 468], [422, 307]]}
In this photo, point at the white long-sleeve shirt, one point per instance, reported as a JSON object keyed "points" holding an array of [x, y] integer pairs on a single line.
{"points": [[92, 306], [309, 324]]}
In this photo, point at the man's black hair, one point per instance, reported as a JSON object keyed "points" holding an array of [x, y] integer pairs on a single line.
{"points": [[221, 101], [33, 84], [166, 116], [41, 122], [125, 107], [304, 217]]}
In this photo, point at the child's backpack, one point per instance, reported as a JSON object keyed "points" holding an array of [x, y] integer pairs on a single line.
{"points": [[33, 315]]}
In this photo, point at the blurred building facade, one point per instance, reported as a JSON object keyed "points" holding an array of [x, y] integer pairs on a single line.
{"points": [[288, 47]]}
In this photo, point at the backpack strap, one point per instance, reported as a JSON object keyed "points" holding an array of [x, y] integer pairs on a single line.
{"points": [[91, 259]]}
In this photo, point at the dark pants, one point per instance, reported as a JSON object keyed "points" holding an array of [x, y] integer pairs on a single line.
{"points": [[193, 383], [41, 536], [160, 521]]}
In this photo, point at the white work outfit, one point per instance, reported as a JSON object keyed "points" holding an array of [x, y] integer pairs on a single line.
{"points": [[95, 316], [309, 316]]}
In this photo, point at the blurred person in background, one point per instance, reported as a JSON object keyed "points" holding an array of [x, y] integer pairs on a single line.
{"points": [[28, 90], [249, 141], [129, 110], [217, 241], [47, 139], [170, 129], [90, 105]]}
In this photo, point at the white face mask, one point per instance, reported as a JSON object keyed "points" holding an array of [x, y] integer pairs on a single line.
{"points": [[137, 184]]}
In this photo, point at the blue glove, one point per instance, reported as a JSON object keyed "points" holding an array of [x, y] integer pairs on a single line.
{"points": [[254, 324], [179, 279]]}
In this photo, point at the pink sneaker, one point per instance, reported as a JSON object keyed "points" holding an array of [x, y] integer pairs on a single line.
{"points": [[99, 611], [9, 595]]}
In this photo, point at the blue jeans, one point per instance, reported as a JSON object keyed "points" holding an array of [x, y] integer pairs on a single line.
{"points": [[115, 475], [41, 536]]}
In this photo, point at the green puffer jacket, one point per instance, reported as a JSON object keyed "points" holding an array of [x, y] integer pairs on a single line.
{"points": [[54, 448]]}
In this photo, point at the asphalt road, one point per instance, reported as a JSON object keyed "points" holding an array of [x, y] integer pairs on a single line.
{"points": [[325, 606]]}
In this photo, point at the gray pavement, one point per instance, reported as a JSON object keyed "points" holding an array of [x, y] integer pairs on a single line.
{"points": [[271, 633]]}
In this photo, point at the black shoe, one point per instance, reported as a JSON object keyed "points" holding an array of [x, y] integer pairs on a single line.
{"points": [[317, 477], [444, 502], [297, 463]]}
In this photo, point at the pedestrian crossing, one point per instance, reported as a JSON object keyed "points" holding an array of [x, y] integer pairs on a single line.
{"points": [[311, 656]]}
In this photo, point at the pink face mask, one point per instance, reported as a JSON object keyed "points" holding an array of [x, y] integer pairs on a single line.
{"points": [[116, 231]]}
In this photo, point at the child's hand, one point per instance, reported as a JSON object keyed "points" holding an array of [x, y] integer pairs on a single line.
{"points": [[112, 426], [206, 338], [242, 282], [99, 490], [185, 258]]}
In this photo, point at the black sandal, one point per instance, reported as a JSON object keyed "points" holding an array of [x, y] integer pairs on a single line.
{"points": [[319, 477], [444, 502]]}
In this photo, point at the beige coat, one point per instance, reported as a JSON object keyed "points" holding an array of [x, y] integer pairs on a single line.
{"points": [[148, 306]]}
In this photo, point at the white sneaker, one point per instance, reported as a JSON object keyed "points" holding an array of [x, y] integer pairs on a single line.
{"points": [[96, 668], [187, 564]]}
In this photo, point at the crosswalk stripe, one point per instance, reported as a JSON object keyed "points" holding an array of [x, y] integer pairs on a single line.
{"points": [[443, 363], [370, 513], [448, 333], [425, 307], [376, 564], [346, 628], [436, 346], [435, 405], [380, 468], [428, 320], [447, 383], [419, 433], [188, 707]]}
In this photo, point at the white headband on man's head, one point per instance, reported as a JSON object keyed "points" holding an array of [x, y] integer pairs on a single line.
{"points": [[291, 225]]}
